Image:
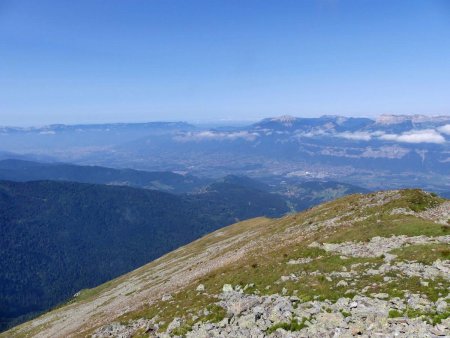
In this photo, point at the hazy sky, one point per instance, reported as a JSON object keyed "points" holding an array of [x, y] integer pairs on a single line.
{"points": [[94, 61]]}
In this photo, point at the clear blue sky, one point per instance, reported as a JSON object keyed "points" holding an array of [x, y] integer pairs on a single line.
{"points": [[94, 61]]}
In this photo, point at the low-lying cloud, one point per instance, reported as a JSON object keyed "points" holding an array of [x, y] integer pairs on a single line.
{"points": [[412, 136], [213, 135], [445, 129], [415, 136], [358, 136]]}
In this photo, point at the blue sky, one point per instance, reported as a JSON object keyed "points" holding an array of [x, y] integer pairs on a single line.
{"points": [[97, 61]]}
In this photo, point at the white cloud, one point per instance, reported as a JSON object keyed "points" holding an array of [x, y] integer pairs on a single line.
{"points": [[415, 136], [213, 135], [358, 136], [386, 152], [445, 129], [412, 136]]}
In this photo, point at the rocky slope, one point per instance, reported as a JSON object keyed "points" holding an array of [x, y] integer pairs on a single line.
{"points": [[374, 265]]}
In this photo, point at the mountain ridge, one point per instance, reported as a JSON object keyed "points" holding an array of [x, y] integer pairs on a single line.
{"points": [[291, 264], [21, 170], [406, 151], [91, 233]]}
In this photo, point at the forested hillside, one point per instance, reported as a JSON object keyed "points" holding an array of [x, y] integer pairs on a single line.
{"points": [[22, 171], [60, 237]]}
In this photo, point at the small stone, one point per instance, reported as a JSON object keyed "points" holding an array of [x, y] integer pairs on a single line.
{"points": [[356, 329], [246, 322], [227, 288], [424, 283], [342, 283], [389, 257], [166, 297], [441, 306], [314, 245], [200, 288], [441, 327], [223, 323], [248, 286], [353, 305], [435, 330], [176, 322], [380, 295], [354, 266]]}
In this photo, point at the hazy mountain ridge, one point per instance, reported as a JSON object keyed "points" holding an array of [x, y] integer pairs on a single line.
{"points": [[107, 127], [19, 170], [298, 193], [406, 151], [320, 272]]}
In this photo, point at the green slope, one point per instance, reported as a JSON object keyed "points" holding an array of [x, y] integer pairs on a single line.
{"points": [[300, 257]]}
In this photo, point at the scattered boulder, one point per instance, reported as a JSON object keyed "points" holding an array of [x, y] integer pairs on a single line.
{"points": [[342, 283], [175, 323], [227, 288], [166, 297]]}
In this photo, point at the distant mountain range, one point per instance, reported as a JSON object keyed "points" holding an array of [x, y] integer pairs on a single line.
{"points": [[392, 123], [106, 127], [22, 171], [296, 193], [391, 151], [335, 123]]}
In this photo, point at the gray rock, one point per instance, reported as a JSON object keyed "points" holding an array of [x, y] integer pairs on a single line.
{"points": [[342, 283], [380, 295], [175, 323], [441, 305], [227, 288], [166, 297]]}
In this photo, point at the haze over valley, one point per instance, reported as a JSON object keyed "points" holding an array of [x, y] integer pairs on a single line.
{"points": [[386, 152]]}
